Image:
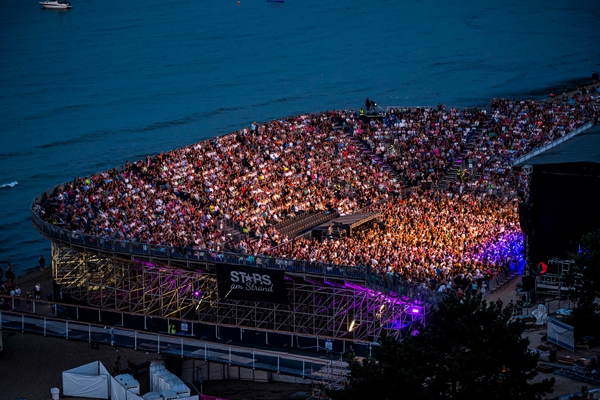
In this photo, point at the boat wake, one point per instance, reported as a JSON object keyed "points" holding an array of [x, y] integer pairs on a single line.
{"points": [[12, 184]]}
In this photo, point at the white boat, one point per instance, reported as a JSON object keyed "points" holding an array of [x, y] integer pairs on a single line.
{"points": [[56, 5]]}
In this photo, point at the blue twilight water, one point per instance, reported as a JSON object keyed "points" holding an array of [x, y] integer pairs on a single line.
{"points": [[85, 89]]}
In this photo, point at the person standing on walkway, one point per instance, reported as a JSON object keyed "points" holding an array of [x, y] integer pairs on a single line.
{"points": [[38, 291], [42, 262], [12, 298], [17, 296], [10, 275]]}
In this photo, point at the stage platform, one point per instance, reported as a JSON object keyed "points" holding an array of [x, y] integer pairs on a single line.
{"points": [[346, 223], [371, 117]]}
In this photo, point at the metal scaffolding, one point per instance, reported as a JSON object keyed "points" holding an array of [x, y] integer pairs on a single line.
{"points": [[336, 309]]}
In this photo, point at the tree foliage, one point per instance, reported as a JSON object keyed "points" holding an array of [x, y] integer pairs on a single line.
{"points": [[584, 280], [468, 350]]}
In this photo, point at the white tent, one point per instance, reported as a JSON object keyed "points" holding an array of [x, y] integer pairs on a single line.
{"points": [[119, 392], [162, 380], [89, 380]]}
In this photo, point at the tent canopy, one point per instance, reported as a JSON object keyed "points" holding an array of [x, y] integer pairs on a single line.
{"points": [[89, 380]]}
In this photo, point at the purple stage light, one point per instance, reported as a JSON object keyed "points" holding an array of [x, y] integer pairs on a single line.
{"points": [[197, 293], [415, 310]]}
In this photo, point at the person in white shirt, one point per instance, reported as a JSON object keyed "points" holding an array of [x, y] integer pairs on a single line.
{"points": [[17, 295]]}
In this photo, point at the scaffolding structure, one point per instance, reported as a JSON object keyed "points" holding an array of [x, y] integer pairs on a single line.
{"points": [[317, 306]]}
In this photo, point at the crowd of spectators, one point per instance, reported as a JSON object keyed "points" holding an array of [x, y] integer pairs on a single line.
{"points": [[258, 177], [517, 127], [430, 237], [425, 140]]}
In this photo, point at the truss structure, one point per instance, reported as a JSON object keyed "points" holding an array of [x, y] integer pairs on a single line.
{"points": [[317, 307]]}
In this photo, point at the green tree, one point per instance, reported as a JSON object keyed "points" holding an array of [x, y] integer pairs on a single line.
{"points": [[467, 350], [583, 279]]}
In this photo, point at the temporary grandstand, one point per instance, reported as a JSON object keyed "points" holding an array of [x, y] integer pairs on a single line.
{"points": [[155, 237]]}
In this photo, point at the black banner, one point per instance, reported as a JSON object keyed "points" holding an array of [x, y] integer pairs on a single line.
{"points": [[238, 282]]}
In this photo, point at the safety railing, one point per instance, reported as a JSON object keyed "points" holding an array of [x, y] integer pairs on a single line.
{"points": [[552, 144], [197, 255], [306, 367], [502, 279], [45, 314], [413, 292]]}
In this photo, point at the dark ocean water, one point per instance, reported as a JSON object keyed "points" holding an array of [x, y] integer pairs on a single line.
{"points": [[86, 89]]}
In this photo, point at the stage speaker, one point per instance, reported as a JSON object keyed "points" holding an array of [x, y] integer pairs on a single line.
{"points": [[525, 218]]}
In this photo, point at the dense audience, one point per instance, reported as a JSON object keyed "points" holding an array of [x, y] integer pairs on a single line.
{"points": [[255, 177], [426, 141], [260, 176], [429, 236], [517, 127]]}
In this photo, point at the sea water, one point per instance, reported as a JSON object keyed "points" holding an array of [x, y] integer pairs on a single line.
{"points": [[86, 89]]}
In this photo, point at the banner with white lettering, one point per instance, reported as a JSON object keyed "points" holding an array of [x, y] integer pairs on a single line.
{"points": [[238, 282]]}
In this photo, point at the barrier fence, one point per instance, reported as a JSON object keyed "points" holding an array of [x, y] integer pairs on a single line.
{"points": [[59, 319], [418, 293], [306, 367], [197, 255], [503, 279], [413, 292], [552, 144]]}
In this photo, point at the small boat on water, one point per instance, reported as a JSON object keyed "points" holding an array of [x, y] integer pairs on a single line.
{"points": [[56, 4]]}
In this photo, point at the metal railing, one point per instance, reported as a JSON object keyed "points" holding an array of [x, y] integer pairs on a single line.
{"points": [[552, 144], [414, 292], [197, 255], [213, 333], [500, 281], [182, 346]]}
